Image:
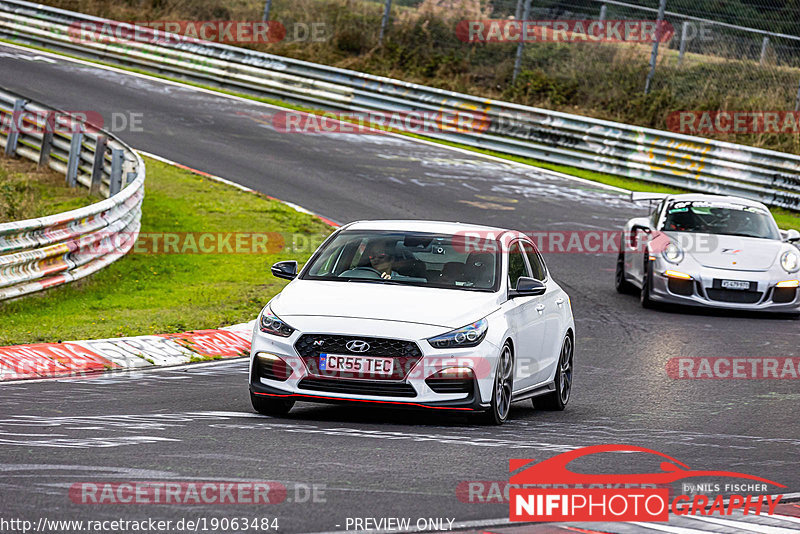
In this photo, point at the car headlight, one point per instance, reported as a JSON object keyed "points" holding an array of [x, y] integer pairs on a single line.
{"points": [[466, 336], [271, 324], [672, 253], [790, 261]]}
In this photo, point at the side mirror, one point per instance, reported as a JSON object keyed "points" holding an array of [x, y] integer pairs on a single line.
{"points": [[527, 287], [285, 269], [641, 228], [790, 235]]}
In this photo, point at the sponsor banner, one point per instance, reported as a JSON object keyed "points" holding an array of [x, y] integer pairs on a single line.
{"points": [[734, 122], [177, 493], [78, 358], [563, 31], [730, 368]]}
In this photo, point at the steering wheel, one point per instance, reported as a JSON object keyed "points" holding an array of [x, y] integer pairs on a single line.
{"points": [[367, 269]]}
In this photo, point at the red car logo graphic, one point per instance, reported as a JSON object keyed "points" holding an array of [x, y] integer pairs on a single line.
{"points": [[554, 470]]}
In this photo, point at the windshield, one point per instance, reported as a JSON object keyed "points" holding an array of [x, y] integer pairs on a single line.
{"points": [[720, 218], [408, 258]]}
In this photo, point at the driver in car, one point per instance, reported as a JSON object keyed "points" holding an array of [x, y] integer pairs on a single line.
{"points": [[378, 257]]}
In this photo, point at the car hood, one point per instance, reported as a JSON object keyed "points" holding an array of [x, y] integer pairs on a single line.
{"points": [[732, 252], [448, 308]]}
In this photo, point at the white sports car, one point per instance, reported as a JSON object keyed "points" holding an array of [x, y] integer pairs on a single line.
{"points": [[431, 315], [709, 250]]}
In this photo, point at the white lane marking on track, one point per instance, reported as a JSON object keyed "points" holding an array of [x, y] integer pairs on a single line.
{"points": [[86, 443], [273, 106], [130, 373], [744, 525]]}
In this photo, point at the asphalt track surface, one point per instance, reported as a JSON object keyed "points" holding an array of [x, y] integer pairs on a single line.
{"points": [[197, 424]]}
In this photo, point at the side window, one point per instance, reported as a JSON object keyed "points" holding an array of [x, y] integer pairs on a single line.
{"points": [[535, 261], [516, 265], [654, 216]]}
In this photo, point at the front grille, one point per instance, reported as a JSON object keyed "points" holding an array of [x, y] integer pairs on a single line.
{"points": [[732, 295], [681, 287], [450, 385], [359, 387], [784, 295], [405, 354]]}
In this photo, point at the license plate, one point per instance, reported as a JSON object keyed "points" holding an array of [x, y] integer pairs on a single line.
{"points": [[735, 284], [356, 364]]}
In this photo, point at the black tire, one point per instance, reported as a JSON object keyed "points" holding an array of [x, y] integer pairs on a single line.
{"points": [[558, 399], [647, 282], [503, 386], [268, 406], [622, 285]]}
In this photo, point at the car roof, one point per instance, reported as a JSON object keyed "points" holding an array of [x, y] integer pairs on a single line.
{"points": [[697, 197], [440, 227]]}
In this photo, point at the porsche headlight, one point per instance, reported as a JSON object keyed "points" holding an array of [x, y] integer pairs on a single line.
{"points": [[672, 253], [790, 261], [466, 336], [271, 324]]}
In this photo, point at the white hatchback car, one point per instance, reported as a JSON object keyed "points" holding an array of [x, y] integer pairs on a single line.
{"points": [[433, 315]]}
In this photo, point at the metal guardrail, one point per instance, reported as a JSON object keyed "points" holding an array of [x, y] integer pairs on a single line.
{"points": [[662, 157], [37, 254]]}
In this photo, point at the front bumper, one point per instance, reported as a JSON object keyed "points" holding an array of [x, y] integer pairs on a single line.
{"points": [[702, 290], [410, 391]]}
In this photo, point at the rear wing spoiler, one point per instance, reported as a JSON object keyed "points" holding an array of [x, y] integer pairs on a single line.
{"points": [[640, 196]]}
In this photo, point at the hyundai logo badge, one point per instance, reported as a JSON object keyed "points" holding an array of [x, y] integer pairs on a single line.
{"points": [[357, 346]]}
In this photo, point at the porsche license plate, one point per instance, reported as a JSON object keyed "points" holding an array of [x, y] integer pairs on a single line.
{"points": [[735, 284]]}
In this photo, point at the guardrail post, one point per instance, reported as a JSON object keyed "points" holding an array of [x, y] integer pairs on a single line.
{"points": [[797, 100], [115, 182], [764, 46], [47, 139], [518, 60], [603, 13], [385, 20], [16, 126], [662, 7], [74, 158], [684, 32], [97, 168]]}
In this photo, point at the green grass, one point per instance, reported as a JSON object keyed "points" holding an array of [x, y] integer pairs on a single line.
{"points": [[162, 293], [27, 191]]}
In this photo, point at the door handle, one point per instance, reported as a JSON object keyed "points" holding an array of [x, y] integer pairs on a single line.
{"points": [[540, 308], [560, 301]]}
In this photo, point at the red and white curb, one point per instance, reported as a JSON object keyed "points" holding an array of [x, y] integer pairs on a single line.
{"points": [[79, 358]]}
